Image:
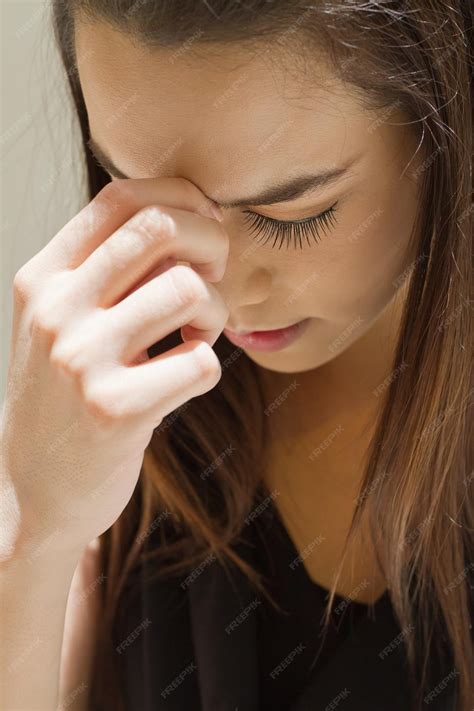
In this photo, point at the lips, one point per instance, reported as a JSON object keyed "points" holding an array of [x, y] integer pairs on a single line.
{"points": [[257, 329], [268, 340]]}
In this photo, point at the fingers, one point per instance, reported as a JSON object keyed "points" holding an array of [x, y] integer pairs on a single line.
{"points": [[116, 203], [151, 236], [157, 387], [176, 298]]}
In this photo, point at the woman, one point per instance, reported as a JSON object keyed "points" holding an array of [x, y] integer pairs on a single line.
{"points": [[280, 507]]}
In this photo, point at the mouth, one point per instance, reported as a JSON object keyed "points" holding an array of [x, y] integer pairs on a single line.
{"points": [[268, 340]]}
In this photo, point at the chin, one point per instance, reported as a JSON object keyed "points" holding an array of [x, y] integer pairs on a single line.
{"points": [[289, 360]]}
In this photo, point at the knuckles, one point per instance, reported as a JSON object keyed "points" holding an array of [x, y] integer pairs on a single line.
{"points": [[66, 358], [188, 287], [100, 404], [152, 222], [22, 285], [112, 196], [44, 322], [48, 312], [208, 367], [111, 192], [99, 400]]}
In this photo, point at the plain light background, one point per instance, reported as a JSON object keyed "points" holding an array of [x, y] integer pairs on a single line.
{"points": [[42, 172]]}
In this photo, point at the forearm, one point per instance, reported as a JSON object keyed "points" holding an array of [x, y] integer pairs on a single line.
{"points": [[33, 597]]}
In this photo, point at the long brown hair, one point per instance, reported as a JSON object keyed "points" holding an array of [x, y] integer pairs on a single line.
{"points": [[415, 55]]}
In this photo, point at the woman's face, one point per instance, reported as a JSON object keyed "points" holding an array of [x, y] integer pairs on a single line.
{"points": [[237, 124]]}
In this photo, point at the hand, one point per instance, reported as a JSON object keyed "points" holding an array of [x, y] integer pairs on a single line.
{"points": [[83, 398]]}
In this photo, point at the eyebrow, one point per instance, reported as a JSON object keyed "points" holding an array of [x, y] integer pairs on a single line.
{"points": [[282, 191]]}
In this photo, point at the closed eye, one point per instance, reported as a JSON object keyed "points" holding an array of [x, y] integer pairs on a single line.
{"points": [[291, 232]]}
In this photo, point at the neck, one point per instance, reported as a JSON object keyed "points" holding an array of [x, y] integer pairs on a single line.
{"points": [[319, 437]]}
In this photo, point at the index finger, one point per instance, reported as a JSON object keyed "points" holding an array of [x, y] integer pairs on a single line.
{"points": [[116, 203]]}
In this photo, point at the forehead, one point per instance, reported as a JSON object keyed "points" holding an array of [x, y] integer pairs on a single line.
{"points": [[218, 115]]}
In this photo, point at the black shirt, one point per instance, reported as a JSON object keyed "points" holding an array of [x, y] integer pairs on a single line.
{"points": [[209, 641], [292, 642]]}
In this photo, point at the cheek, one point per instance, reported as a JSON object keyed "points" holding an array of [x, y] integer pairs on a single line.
{"points": [[358, 268]]}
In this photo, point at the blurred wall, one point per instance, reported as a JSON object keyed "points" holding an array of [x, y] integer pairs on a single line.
{"points": [[42, 178]]}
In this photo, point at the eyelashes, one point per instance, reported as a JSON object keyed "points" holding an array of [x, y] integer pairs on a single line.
{"points": [[290, 232]]}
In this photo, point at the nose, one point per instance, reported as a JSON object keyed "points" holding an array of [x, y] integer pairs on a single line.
{"points": [[244, 286]]}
